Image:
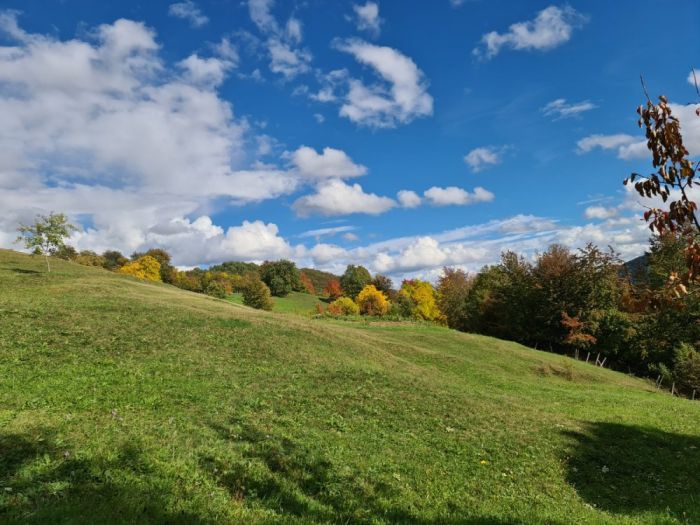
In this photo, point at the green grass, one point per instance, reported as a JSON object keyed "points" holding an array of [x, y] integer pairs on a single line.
{"points": [[129, 402], [294, 303]]}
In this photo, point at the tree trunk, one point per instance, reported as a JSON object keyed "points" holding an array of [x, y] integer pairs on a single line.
{"points": [[48, 264]]}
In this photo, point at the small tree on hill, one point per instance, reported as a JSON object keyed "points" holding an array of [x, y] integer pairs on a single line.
{"points": [[343, 306], [452, 292], [113, 260], [282, 277], [47, 235], [354, 280], [423, 295]]}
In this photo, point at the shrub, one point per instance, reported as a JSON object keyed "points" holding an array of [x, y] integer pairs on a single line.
{"points": [[113, 260], [282, 277], [145, 267], [343, 306], [354, 280], [423, 295], [333, 289], [372, 302], [256, 294], [216, 289]]}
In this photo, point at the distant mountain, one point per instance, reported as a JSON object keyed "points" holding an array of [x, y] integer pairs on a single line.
{"points": [[318, 278], [638, 267]]}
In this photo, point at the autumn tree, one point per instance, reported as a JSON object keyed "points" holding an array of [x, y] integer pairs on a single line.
{"points": [[422, 294], [452, 291], [256, 294], [307, 284], [371, 301], [146, 267], [354, 280], [47, 235], [333, 289]]}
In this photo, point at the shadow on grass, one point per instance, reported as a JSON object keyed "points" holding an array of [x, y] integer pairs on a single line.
{"points": [[301, 485], [41, 483], [25, 271], [630, 470]]}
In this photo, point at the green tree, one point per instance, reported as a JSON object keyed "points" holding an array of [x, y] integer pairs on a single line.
{"points": [[47, 235], [354, 280], [282, 277]]}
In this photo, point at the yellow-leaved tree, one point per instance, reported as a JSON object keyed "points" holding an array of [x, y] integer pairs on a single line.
{"points": [[145, 267], [422, 296], [371, 301]]}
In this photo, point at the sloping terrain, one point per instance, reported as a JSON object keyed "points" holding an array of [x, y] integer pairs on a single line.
{"points": [[129, 402]]}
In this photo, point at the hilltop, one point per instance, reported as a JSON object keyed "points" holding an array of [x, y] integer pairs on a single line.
{"points": [[126, 401]]}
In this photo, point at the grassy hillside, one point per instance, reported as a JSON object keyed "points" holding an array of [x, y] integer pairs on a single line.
{"points": [[122, 401]]}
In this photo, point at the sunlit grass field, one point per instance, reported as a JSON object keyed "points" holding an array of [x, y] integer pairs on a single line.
{"points": [[128, 402], [294, 303]]}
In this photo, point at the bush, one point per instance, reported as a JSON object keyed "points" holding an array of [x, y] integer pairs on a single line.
{"points": [[256, 294], [372, 302], [343, 306], [89, 258], [452, 292], [307, 284], [216, 289], [145, 267]]}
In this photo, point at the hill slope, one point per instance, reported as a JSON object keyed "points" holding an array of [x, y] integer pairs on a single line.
{"points": [[122, 401]]}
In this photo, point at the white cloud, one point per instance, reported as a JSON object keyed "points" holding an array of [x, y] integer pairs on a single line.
{"points": [[408, 199], [319, 118], [367, 17], [330, 163], [324, 253], [294, 31], [227, 51], [405, 97], [560, 108], [334, 197], [693, 78], [452, 195], [350, 237], [479, 159], [189, 11], [552, 27], [600, 212]]}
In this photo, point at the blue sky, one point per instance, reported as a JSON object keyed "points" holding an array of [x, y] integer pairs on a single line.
{"points": [[336, 132]]}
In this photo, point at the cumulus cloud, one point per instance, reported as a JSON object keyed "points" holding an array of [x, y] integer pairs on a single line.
{"points": [[401, 98], [207, 71], [560, 108], [452, 195], [408, 199], [552, 27], [335, 197], [367, 17], [330, 163], [189, 11], [479, 159]]}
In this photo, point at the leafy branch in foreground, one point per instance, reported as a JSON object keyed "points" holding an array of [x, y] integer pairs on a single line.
{"points": [[675, 174]]}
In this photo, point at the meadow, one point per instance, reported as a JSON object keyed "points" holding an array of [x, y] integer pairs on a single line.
{"points": [[128, 401]]}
